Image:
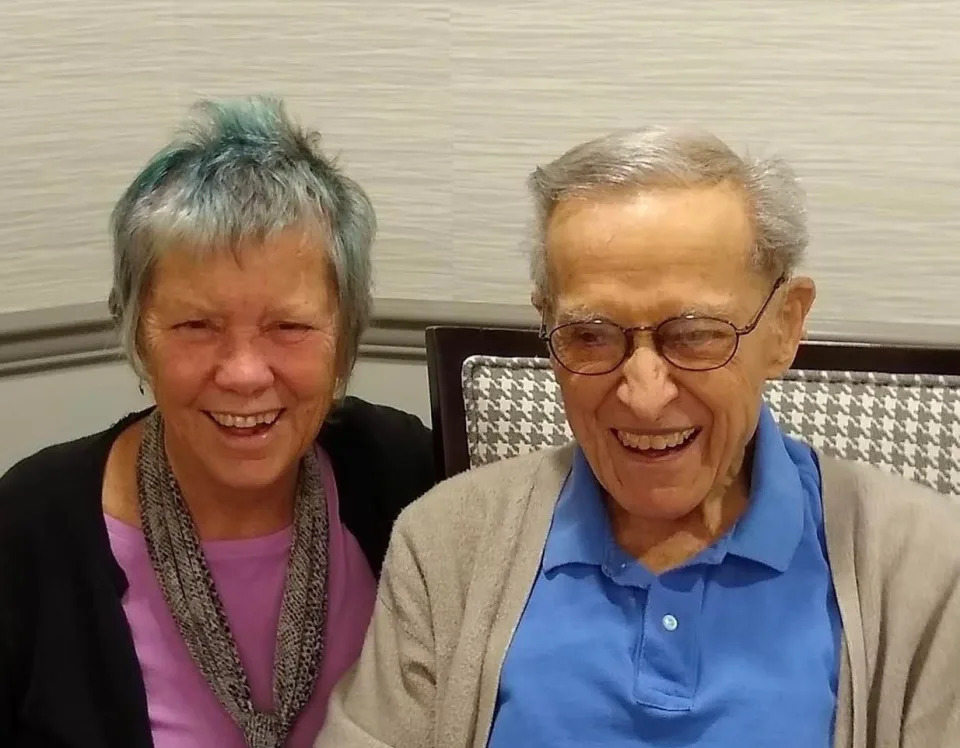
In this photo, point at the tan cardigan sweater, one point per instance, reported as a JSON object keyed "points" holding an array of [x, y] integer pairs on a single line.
{"points": [[464, 558]]}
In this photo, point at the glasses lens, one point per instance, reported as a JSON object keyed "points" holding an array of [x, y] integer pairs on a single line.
{"points": [[588, 347], [698, 343]]}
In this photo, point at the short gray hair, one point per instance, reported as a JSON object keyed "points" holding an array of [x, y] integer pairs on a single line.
{"points": [[242, 171], [652, 158]]}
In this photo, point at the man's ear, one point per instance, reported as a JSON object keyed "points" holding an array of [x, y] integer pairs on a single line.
{"points": [[791, 323], [536, 298], [543, 306]]}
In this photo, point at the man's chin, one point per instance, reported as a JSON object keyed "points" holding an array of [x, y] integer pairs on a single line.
{"points": [[660, 504]]}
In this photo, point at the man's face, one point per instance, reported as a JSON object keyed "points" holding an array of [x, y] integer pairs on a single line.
{"points": [[660, 439]]}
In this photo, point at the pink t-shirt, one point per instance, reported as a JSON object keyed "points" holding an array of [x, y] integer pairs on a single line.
{"points": [[249, 574]]}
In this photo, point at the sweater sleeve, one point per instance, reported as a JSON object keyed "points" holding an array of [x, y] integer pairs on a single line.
{"points": [[388, 699], [16, 583], [932, 680], [8, 645], [383, 461], [932, 718], [907, 551]]}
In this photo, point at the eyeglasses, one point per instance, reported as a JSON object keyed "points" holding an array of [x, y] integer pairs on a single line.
{"points": [[690, 342]]}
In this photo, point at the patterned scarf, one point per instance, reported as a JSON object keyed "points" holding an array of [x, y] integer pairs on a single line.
{"points": [[191, 596]]}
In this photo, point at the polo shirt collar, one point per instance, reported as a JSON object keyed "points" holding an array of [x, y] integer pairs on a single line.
{"points": [[768, 532]]}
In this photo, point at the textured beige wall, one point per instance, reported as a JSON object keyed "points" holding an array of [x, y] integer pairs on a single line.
{"points": [[441, 108]]}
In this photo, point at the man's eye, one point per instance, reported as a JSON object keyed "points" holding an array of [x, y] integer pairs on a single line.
{"points": [[698, 337], [587, 337], [592, 334]]}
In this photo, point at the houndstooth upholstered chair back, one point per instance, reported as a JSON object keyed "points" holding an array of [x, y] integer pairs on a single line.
{"points": [[903, 423]]}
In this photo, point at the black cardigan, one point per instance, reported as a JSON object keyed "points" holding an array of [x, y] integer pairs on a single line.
{"points": [[69, 675]]}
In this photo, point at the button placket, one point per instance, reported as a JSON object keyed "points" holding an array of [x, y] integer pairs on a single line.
{"points": [[667, 668]]}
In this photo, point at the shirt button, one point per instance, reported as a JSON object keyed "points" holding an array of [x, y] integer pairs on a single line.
{"points": [[670, 622]]}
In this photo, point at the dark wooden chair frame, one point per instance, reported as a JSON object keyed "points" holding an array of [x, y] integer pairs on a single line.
{"points": [[449, 346]]}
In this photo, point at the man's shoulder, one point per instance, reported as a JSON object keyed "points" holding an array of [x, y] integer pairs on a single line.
{"points": [[899, 524], [485, 516], [885, 494], [466, 504]]}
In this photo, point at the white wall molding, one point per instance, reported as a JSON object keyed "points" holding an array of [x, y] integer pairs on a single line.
{"points": [[83, 334]]}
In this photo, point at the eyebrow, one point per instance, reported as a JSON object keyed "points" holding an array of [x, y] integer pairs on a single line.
{"points": [[583, 313], [184, 304], [706, 310], [578, 313], [296, 311]]}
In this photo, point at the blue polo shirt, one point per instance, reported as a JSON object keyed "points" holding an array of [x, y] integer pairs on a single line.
{"points": [[737, 647]]}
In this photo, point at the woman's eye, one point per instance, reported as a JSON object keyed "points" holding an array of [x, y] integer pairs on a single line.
{"points": [[291, 331], [194, 324]]}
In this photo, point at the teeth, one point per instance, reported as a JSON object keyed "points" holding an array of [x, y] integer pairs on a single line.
{"points": [[660, 441], [245, 422]]}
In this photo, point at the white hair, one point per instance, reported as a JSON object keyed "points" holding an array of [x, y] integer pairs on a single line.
{"points": [[242, 170], [653, 158]]}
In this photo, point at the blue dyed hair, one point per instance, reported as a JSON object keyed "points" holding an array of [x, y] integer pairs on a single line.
{"points": [[240, 172]]}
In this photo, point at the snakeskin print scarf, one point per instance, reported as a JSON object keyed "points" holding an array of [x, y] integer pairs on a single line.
{"points": [[191, 596]]}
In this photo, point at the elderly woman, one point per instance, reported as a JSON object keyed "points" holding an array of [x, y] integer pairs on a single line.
{"points": [[202, 573], [684, 574]]}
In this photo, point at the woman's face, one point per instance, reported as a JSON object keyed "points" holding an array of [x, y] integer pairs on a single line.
{"points": [[241, 353]]}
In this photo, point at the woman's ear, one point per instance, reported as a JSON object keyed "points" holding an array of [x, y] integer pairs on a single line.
{"points": [[799, 295]]}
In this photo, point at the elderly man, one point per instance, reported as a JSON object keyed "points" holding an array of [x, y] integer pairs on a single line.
{"points": [[684, 574]]}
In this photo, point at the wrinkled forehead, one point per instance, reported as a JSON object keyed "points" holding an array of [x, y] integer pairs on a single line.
{"points": [[671, 251], [288, 266], [702, 225]]}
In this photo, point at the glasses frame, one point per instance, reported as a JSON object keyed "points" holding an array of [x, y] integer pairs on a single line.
{"points": [[630, 336]]}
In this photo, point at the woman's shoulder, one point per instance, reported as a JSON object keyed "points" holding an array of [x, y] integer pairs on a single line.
{"points": [[356, 428], [52, 479], [382, 460]]}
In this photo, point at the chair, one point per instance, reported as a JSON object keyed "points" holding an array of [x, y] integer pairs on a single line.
{"points": [[493, 395]]}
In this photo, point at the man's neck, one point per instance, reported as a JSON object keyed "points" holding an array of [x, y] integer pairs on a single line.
{"points": [[661, 545]]}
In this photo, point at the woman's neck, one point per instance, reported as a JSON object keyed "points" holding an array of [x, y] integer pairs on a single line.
{"points": [[219, 512], [222, 512]]}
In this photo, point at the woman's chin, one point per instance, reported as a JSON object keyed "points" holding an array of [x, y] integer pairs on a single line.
{"points": [[247, 473]]}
